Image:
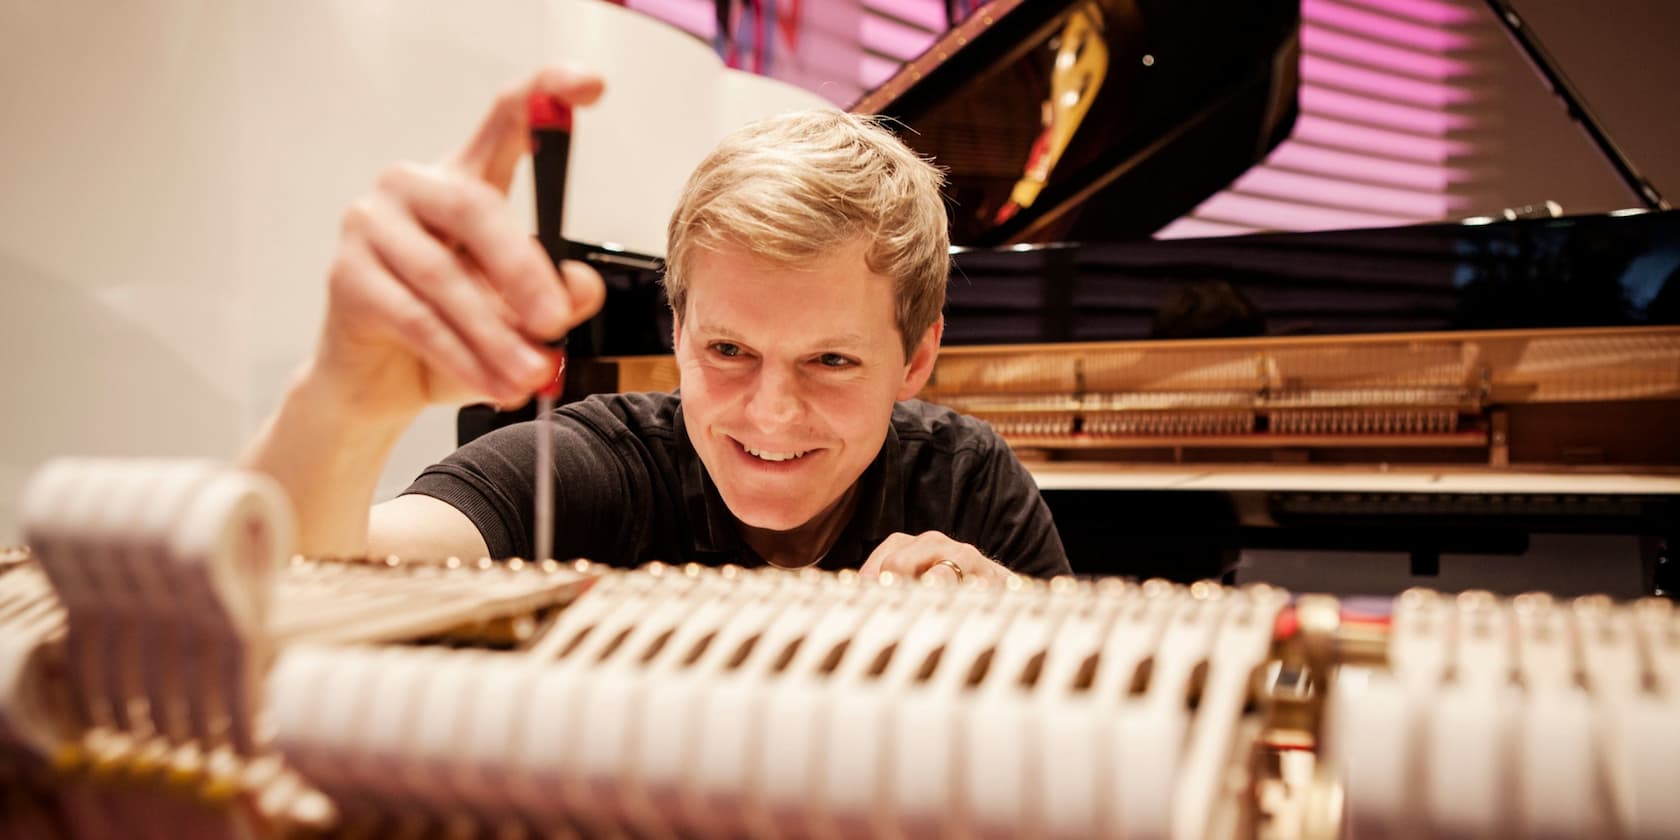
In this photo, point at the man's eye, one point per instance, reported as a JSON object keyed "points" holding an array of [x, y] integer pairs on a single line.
{"points": [[834, 360], [726, 350]]}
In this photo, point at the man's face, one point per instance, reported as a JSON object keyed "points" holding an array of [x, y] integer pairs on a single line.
{"points": [[789, 378]]}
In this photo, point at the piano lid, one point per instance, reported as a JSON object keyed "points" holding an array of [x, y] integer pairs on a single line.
{"points": [[1095, 120]]}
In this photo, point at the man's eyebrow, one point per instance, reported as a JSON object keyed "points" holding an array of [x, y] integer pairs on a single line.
{"points": [[716, 330], [843, 341]]}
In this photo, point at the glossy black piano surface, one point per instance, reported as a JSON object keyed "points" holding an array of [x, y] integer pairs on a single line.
{"points": [[1163, 103], [1584, 271], [1194, 94]]}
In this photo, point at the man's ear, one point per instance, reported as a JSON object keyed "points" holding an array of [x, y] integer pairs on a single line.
{"points": [[920, 366], [676, 332]]}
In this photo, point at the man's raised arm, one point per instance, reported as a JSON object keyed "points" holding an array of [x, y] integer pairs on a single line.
{"points": [[437, 294]]}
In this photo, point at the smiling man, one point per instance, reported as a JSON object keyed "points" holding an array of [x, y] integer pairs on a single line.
{"points": [[807, 266]]}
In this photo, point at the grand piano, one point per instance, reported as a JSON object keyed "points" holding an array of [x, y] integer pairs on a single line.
{"points": [[169, 669], [1460, 404]]}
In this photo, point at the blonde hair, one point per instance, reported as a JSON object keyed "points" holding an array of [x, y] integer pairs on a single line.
{"points": [[803, 185]]}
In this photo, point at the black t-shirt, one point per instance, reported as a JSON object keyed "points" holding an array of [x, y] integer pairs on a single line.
{"points": [[631, 489]]}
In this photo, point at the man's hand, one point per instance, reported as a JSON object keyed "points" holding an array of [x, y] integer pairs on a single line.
{"points": [[931, 555], [438, 292]]}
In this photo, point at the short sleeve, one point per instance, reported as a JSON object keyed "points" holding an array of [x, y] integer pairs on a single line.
{"points": [[490, 480]]}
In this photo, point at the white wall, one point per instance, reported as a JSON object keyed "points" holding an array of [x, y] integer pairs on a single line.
{"points": [[172, 173], [119, 306]]}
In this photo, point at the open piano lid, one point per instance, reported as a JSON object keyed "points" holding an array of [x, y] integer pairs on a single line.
{"points": [[1095, 120], [1173, 100]]}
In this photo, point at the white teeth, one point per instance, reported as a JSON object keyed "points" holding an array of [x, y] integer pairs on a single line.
{"points": [[773, 456]]}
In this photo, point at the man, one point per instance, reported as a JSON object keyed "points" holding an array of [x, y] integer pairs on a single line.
{"points": [[806, 272]]}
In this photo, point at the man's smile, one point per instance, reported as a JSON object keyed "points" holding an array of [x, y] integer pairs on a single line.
{"points": [[774, 458]]}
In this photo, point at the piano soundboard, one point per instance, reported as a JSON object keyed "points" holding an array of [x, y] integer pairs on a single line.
{"points": [[169, 669]]}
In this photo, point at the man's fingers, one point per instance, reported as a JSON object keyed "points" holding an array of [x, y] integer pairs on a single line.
{"points": [[586, 289], [909, 556], [942, 573], [504, 135], [446, 284], [930, 556], [461, 210], [883, 554], [921, 554], [369, 291]]}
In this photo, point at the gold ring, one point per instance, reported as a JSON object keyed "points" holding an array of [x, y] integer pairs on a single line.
{"points": [[955, 569]]}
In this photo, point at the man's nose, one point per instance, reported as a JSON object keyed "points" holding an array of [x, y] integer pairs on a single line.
{"points": [[776, 403]]}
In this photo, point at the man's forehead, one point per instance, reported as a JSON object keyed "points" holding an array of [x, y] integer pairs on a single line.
{"points": [[834, 301]]}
